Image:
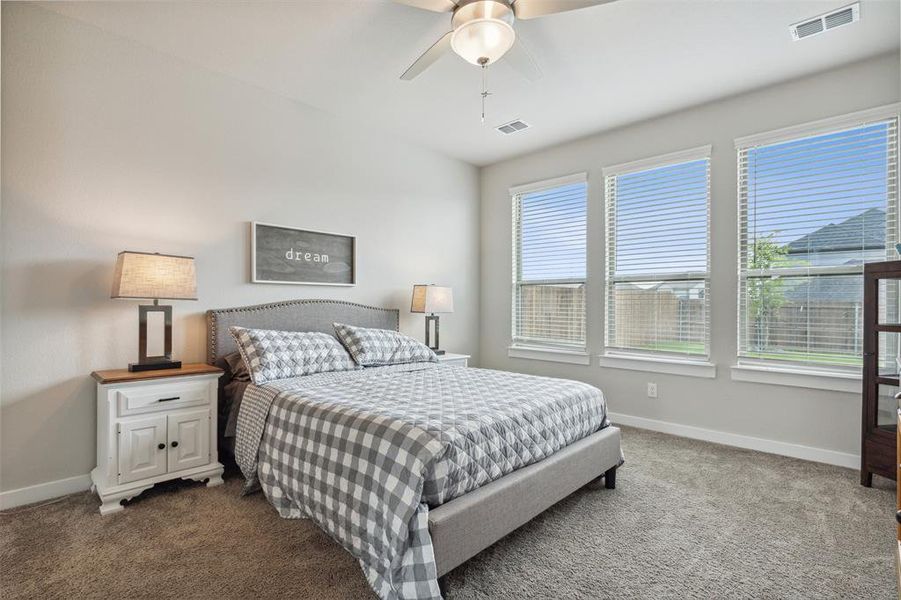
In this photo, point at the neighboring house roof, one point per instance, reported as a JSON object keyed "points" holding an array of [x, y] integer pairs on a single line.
{"points": [[835, 237], [865, 231], [826, 289], [845, 235]]}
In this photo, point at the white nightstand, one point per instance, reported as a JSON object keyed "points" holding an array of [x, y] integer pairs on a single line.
{"points": [[154, 426], [458, 360]]}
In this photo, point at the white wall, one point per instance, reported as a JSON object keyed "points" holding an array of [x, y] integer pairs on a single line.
{"points": [[108, 146], [825, 420]]}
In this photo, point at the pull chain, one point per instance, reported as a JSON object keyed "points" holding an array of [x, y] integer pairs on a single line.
{"points": [[485, 93]]}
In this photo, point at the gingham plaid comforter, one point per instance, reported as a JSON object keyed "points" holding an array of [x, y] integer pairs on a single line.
{"points": [[365, 453]]}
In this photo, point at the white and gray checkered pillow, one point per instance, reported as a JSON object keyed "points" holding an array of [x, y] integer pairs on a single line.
{"points": [[271, 354], [378, 347]]}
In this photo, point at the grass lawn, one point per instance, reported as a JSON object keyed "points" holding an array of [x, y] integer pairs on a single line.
{"points": [[826, 358]]}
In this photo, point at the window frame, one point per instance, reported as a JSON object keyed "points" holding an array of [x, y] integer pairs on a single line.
{"points": [[782, 372], [530, 348], [614, 355]]}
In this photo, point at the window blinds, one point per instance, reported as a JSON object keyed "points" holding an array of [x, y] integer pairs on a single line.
{"points": [[549, 235], [657, 293], [812, 210]]}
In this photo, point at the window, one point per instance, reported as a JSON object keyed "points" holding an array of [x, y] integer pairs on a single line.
{"points": [[549, 220], [815, 204], [657, 288]]}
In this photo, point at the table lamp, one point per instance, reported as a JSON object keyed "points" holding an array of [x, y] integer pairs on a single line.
{"points": [[432, 299], [146, 276]]}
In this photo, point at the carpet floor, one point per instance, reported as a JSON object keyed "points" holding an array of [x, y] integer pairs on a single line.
{"points": [[688, 519]]}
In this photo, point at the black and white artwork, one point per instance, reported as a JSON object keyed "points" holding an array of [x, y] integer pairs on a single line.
{"points": [[282, 254]]}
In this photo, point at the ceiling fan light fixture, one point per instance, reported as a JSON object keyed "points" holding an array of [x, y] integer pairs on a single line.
{"points": [[483, 39], [483, 31]]}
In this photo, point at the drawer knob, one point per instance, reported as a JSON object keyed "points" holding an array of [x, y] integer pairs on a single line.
{"points": [[175, 444], [161, 446]]}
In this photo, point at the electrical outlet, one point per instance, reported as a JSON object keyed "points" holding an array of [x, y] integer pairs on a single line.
{"points": [[652, 390]]}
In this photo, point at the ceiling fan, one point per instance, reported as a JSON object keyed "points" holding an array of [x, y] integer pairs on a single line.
{"points": [[482, 31]]}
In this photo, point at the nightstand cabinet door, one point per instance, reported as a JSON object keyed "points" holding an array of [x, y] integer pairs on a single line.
{"points": [[140, 451], [189, 439]]}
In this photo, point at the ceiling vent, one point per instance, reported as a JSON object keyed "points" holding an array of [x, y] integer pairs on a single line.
{"points": [[512, 127], [830, 20]]}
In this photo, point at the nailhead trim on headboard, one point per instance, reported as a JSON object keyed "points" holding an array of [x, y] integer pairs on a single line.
{"points": [[212, 316]]}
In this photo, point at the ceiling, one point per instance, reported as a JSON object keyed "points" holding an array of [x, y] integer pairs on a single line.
{"points": [[603, 67]]}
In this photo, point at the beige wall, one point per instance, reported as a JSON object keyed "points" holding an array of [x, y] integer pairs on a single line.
{"points": [[109, 146], [827, 420]]}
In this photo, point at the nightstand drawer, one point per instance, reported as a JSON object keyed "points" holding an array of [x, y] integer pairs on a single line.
{"points": [[153, 397]]}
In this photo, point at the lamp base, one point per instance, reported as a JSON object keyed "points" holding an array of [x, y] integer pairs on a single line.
{"points": [[432, 318], [156, 362], [154, 366]]}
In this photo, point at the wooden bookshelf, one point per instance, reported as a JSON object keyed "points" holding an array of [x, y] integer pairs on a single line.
{"points": [[879, 446]]}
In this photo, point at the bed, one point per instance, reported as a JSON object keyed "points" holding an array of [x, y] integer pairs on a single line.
{"points": [[478, 454]]}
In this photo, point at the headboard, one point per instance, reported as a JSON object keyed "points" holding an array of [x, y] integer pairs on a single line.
{"points": [[292, 315]]}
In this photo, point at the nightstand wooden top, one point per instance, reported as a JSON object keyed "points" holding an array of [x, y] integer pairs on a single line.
{"points": [[124, 375]]}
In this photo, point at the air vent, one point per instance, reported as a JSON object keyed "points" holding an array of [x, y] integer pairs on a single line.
{"points": [[809, 28], [512, 127], [831, 20], [842, 17]]}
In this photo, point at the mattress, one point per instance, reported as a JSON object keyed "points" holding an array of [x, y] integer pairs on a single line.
{"points": [[489, 423], [366, 453]]}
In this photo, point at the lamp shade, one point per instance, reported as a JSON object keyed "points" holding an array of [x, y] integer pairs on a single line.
{"points": [[432, 299], [154, 276]]}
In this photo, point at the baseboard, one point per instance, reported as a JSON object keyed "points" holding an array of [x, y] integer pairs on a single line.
{"points": [[44, 491], [80, 483], [821, 455]]}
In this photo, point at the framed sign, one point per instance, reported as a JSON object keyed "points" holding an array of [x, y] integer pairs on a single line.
{"points": [[289, 255]]}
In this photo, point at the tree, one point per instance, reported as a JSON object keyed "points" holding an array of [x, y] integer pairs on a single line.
{"points": [[765, 294]]}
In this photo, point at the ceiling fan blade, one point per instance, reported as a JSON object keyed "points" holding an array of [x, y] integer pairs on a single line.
{"points": [[428, 57], [532, 9], [440, 6], [522, 61]]}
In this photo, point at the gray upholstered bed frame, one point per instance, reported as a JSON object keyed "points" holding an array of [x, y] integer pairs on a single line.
{"points": [[470, 523]]}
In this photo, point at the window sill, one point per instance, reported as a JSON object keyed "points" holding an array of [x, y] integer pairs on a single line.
{"points": [[574, 357], [817, 379], [657, 364]]}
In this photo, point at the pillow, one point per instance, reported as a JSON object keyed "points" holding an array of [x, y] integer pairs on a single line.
{"points": [[377, 347], [236, 367], [271, 355]]}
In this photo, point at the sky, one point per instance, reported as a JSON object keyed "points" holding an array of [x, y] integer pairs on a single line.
{"points": [[661, 219], [797, 187], [553, 233], [793, 188]]}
